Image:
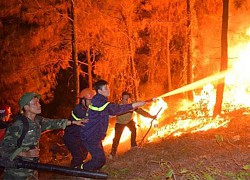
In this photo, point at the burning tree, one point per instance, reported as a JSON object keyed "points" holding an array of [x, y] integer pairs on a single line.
{"points": [[34, 48], [138, 46], [119, 49]]}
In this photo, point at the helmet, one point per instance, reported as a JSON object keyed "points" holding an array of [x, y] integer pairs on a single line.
{"points": [[87, 93], [5, 110]]}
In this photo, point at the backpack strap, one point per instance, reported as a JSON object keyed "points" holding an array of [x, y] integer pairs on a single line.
{"points": [[25, 129]]}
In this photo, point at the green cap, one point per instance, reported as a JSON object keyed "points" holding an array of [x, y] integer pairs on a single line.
{"points": [[27, 97]]}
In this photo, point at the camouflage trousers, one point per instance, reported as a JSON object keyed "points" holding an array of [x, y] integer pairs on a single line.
{"points": [[20, 174]]}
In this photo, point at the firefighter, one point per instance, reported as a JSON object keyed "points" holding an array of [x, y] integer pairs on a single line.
{"points": [[95, 129], [72, 133], [124, 120], [28, 149], [5, 117]]}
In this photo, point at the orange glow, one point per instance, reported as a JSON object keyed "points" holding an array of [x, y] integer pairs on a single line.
{"points": [[239, 80], [198, 114], [143, 122], [248, 32], [236, 95]]}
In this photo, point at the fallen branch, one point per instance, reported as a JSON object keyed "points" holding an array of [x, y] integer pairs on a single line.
{"points": [[151, 123]]}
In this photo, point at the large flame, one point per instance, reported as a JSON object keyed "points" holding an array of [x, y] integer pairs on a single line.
{"points": [[198, 116], [236, 95], [238, 81]]}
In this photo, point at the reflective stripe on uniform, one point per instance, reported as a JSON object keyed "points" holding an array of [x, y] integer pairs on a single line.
{"points": [[74, 116], [98, 108]]}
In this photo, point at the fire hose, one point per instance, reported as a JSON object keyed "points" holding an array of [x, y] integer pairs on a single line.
{"points": [[150, 100], [48, 167], [151, 123]]}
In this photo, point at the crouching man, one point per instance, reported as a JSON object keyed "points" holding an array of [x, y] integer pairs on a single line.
{"points": [[95, 129]]}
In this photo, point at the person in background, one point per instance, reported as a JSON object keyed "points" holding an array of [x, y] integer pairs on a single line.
{"points": [[124, 120], [95, 129], [71, 136], [5, 118], [29, 148]]}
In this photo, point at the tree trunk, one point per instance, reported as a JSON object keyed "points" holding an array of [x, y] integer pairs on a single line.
{"points": [[131, 59], [132, 63], [134, 75], [224, 59], [189, 61], [168, 62], [74, 52], [89, 68]]}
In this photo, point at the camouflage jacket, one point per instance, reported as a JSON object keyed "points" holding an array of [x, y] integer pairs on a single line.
{"points": [[8, 146]]}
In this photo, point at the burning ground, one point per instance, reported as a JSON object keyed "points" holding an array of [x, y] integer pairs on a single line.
{"points": [[221, 153], [190, 152]]}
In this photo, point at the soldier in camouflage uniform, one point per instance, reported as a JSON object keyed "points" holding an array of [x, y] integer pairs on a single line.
{"points": [[29, 149]]}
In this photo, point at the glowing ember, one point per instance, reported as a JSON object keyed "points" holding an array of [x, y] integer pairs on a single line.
{"points": [[188, 126]]}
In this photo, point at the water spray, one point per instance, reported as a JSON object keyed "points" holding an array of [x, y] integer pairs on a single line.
{"points": [[192, 86]]}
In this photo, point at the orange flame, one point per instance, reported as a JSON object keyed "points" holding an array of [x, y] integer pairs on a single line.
{"points": [[236, 95], [143, 122]]}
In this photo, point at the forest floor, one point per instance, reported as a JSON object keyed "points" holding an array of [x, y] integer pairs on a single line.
{"points": [[222, 153], [191, 156]]}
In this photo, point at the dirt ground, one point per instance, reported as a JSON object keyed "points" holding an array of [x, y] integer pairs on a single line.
{"points": [[222, 153]]}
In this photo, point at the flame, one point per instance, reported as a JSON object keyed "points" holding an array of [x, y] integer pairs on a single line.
{"points": [[109, 139], [236, 95], [188, 125], [142, 122], [198, 116], [248, 32], [238, 82]]}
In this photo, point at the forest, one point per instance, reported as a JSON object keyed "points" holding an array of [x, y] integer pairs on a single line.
{"points": [[56, 48], [151, 48]]}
